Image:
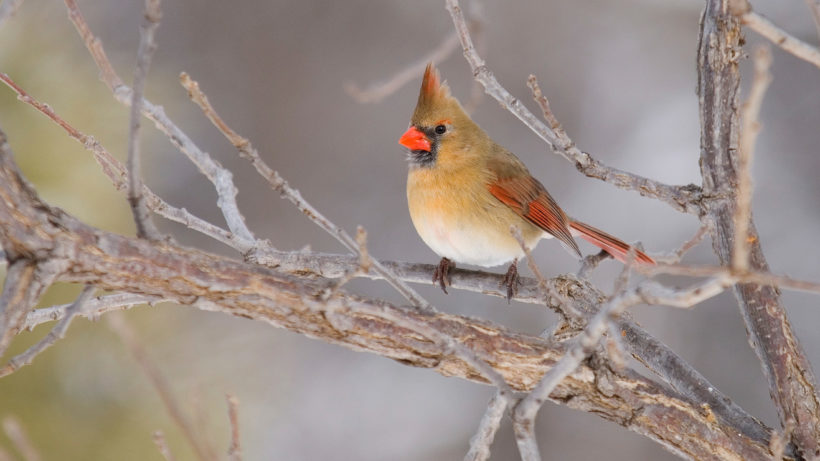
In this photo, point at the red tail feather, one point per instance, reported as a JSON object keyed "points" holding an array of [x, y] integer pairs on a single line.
{"points": [[615, 247]]}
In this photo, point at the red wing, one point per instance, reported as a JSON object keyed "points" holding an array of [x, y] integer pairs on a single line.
{"points": [[530, 200]]}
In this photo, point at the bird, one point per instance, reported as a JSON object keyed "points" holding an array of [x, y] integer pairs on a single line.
{"points": [[466, 193]]}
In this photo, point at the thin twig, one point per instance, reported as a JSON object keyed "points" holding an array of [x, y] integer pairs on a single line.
{"points": [[221, 178], [677, 255], [8, 8], [375, 92], [775, 34], [280, 185], [235, 449], [118, 175], [202, 449], [94, 308], [17, 436], [750, 127], [814, 6], [142, 218], [162, 445], [676, 196], [487, 428], [57, 333]]}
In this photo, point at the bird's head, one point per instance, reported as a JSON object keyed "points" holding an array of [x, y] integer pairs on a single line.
{"points": [[440, 132]]}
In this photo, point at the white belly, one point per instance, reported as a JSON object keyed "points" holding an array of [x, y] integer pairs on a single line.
{"points": [[469, 240]]}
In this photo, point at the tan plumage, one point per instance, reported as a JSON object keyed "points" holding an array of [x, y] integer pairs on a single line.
{"points": [[464, 191]]}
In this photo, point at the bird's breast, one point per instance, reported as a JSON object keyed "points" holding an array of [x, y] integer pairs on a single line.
{"points": [[457, 217]]}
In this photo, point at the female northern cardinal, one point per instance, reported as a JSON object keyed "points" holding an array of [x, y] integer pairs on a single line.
{"points": [[465, 192]]}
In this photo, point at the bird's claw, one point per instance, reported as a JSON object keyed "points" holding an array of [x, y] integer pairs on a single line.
{"points": [[442, 273]]}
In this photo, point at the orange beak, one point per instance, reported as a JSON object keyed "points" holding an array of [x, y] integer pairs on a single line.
{"points": [[414, 139]]}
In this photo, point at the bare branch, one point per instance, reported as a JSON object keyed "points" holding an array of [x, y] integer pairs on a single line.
{"points": [[749, 129], [814, 6], [95, 307], [677, 255], [235, 449], [375, 92], [14, 431], [776, 35], [679, 197], [791, 381], [57, 333], [162, 446], [8, 8], [279, 184], [118, 175], [25, 283], [142, 219], [202, 449], [219, 284], [221, 178], [487, 428], [584, 345]]}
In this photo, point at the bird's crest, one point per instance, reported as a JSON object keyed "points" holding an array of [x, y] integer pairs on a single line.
{"points": [[434, 95]]}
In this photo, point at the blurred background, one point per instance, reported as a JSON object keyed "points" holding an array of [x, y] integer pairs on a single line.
{"points": [[621, 78]]}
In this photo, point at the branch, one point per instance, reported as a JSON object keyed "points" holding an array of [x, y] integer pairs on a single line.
{"points": [[221, 178], [8, 8], [776, 35], [791, 381], [203, 450], [57, 333], [14, 432], [749, 114], [277, 183], [375, 92], [214, 283], [116, 172], [487, 428], [142, 219], [235, 449], [681, 198]]}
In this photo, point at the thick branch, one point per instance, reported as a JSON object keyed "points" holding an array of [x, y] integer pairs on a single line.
{"points": [[791, 381], [114, 262]]}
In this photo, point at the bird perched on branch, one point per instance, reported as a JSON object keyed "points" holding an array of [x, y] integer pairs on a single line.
{"points": [[466, 193]]}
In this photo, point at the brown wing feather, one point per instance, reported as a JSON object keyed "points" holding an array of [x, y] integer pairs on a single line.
{"points": [[530, 200]]}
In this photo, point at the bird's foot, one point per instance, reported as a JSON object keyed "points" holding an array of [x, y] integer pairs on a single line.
{"points": [[511, 280], [442, 273]]}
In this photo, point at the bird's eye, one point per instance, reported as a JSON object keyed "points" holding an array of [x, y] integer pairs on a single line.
{"points": [[441, 129]]}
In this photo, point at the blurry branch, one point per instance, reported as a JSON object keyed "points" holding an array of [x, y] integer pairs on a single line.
{"points": [[681, 198], [776, 35], [792, 384], [749, 129], [214, 283], [14, 432], [162, 445], [488, 427], [8, 8], [116, 172], [277, 183], [221, 178], [201, 447], [234, 449], [814, 6], [56, 333], [142, 219], [375, 92], [677, 255]]}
